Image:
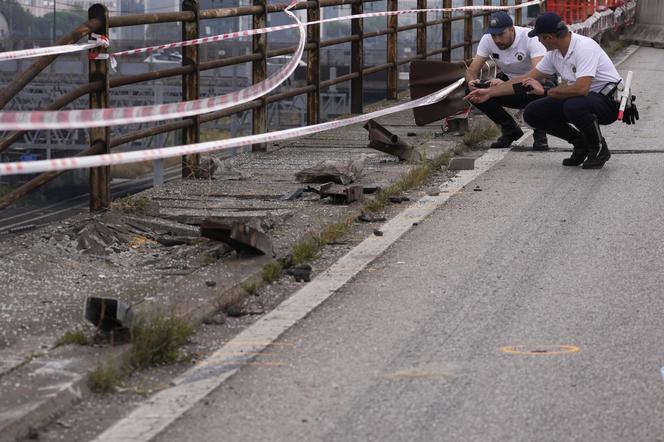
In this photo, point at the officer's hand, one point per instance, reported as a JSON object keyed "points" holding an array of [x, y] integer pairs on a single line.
{"points": [[536, 88], [472, 84], [478, 96], [495, 82]]}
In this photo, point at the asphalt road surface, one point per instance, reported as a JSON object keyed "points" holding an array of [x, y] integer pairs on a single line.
{"points": [[531, 310]]}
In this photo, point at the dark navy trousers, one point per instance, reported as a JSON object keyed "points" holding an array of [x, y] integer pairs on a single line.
{"points": [[577, 110]]}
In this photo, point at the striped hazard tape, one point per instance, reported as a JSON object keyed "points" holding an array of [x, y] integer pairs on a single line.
{"points": [[95, 41], [53, 165]]}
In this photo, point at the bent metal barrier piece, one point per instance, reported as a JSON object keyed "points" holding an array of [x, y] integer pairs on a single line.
{"points": [[18, 168]]}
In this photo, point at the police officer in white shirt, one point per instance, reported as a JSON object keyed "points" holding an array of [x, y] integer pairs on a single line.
{"points": [[572, 111], [515, 54]]}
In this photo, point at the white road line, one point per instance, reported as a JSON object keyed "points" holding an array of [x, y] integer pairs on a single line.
{"points": [[151, 418]]}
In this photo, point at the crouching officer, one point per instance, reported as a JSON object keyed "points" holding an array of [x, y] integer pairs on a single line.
{"points": [[586, 99], [515, 54]]}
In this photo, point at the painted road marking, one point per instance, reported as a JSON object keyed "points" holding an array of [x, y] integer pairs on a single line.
{"points": [[151, 418], [540, 349]]}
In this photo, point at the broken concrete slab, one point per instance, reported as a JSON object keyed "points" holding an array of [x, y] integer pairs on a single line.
{"points": [[337, 172], [461, 163], [385, 141], [342, 194], [241, 236]]}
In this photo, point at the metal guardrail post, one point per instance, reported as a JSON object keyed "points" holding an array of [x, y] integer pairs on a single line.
{"points": [[447, 31], [468, 32], [191, 86], [487, 16], [259, 73], [518, 14], [357, 60], [313, 65], [421, 37], [100, 192], [392, 42]]}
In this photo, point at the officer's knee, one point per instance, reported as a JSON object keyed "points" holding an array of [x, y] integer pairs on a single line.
{"points": [[530, 117]]}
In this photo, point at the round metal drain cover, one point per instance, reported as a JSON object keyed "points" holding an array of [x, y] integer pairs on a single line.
{"points": [[544, 349]]}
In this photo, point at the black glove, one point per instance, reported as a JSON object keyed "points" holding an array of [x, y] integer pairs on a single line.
{"points": [[631, 114]]}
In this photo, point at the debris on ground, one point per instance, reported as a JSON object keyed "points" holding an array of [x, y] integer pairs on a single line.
{"points": [[371, 219], [293, 195], [301, 272], [241, 236], [385, 141], [337, 172], [342, 194], [398, 199]]}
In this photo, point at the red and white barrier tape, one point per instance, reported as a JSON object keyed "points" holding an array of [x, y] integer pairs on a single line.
{"points": [[80, 119], [251, 32], [210, 146], [101, 40]]}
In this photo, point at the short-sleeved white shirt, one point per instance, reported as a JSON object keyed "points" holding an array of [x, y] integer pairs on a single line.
{"points": [[515, 60], [584, 58]]}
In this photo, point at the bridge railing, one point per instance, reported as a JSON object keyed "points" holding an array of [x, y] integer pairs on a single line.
{"points": [[101, 82]]}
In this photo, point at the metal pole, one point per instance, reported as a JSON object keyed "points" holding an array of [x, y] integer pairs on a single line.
{"points": [[259, 73], [191, 86], [100, 194], [158, 165], [54, 23], [422, 30], [518, 13], [313, 65], [392, 39], [357, 60], [447, 31], [468, 33]]}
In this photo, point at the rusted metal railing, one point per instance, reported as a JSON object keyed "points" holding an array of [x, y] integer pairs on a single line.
{"points": [[190, 17]]}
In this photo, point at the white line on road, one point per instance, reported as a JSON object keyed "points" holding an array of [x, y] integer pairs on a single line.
{"points": [[151, 418]]}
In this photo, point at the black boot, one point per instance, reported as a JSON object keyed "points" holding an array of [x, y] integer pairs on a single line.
{"points": [[566, 132], [509, 135], [539, 140], [598, 149]]}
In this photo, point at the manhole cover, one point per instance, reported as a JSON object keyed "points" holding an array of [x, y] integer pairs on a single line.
{"points": [[545, 349]]}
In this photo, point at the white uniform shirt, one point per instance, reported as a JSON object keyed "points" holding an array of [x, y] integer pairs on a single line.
{"points": [[584, 58], [515, 60]]}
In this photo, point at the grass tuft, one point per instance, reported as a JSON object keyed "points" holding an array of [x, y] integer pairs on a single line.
{"points": [[103, 380], [305, 251], [73, 337], [157, 341], [271, 272]]}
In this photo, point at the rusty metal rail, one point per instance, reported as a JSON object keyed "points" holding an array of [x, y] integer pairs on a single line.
{"points": [[191, 17]]}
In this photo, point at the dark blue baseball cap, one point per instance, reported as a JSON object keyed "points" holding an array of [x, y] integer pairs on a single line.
{"points": [[498, 22], [547, 23]]}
